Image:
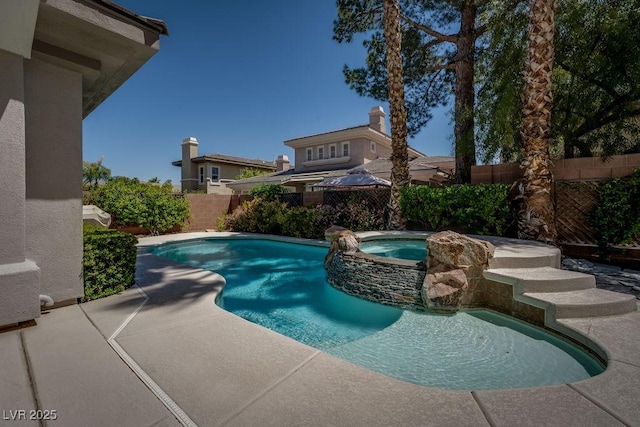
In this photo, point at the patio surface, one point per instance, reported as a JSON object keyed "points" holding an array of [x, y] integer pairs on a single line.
{"points": [[162, 353]]}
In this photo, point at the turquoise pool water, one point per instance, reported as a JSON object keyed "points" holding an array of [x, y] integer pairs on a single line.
{"points": [[282, 286], [413, 250]]}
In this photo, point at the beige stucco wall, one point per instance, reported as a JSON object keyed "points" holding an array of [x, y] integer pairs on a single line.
{"points": [[19, 276], [227, 173], [54, 177], [189, 170], [358, 149]]}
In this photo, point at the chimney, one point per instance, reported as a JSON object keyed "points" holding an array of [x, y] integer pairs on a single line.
{"points": [[282, 163], [189, 172], [376, 119]]}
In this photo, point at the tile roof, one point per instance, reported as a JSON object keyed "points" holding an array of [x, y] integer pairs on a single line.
{"points": [[224, 158]]}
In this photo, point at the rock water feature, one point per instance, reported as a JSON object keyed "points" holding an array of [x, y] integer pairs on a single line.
{"points": [[446, 281], [454, 270]]}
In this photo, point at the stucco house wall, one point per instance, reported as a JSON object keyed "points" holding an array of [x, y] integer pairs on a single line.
{"points": [[62, 59], [53, 110]]}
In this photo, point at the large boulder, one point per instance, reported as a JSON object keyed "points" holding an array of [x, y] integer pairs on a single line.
{"points": [[342, 239], [454, 269], [450, 248]]}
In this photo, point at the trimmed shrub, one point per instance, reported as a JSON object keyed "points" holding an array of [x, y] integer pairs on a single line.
{"points": [[615, 217], [475, 209], [109, 261]]}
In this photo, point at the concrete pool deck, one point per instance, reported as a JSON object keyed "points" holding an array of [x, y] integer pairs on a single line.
{"points": [[162, 353]]}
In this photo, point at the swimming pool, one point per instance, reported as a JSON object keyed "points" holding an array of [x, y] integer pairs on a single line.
{"points": [[282, 286], [413, 250]]}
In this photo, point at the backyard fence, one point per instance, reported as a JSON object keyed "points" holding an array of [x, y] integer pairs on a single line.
{"points": [[377, 199], [575, 200]]}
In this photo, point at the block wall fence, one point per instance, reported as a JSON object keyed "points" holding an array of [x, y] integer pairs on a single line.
{"points": [[582, 169]]}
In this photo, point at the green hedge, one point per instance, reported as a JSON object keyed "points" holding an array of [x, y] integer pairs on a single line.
{"points": [[109, 261], [475, 209], [615, 217]]}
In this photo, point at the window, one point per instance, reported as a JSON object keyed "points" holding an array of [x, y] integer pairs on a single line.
{"points": [[309, 154], [345, 149], [320, 153], [373, 147], [201, 174], [215, 173], [332, 151]]}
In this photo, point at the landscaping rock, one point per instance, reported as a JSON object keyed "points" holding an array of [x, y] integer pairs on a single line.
{"points": [[450, 248], [608, 277], [341, 239]]}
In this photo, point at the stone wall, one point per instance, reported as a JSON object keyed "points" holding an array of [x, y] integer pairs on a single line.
{"points": [[392, 282], [398, 283]]}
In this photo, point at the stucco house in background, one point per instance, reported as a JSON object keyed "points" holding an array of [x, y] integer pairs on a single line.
{"points": [[59, 59], [335, 153], [212, 172]]}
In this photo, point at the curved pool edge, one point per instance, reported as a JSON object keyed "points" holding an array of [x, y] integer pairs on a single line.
{"points": [[615, 334]]}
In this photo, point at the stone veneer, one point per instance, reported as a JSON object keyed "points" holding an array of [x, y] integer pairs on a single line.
{"points": [[398, 282], [388, 281]]}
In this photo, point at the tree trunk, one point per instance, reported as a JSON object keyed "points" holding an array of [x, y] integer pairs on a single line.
{"points": [[399, 153], [465, 94], [536, 212]]}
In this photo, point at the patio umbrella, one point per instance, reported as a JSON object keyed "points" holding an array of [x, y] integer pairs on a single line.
{"points": [[357, 177]]}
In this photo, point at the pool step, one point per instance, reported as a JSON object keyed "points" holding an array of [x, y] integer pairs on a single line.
{"points": [[582, 303], [562, 294], [543, 279]]}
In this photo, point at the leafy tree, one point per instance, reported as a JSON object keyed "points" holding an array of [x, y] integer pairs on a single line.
{"points": [[268, 191], [250, 173], [596, 81], [154, 180], [399, 153], [436, 61], [93, 173], [536, 212], [131, 202]]}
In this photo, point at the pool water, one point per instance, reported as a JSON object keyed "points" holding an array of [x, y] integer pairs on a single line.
{"points": [[283, 287], [413, 250]]}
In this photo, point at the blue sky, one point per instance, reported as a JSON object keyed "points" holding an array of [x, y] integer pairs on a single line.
{"points": [[241, 76]]}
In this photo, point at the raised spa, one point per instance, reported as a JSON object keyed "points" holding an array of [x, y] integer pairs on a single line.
{"points": [[414, 250], [282, 286]]}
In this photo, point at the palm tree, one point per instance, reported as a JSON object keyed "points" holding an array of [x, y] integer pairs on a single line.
{"points": [[93, 173], [536, 212], [399, 153]]}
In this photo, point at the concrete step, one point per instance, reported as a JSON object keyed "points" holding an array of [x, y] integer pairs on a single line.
{"points": [[581, 303], [544, 279]]}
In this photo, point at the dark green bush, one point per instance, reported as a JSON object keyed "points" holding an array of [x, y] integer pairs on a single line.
{"points": [[275, 217], [302, 222], [258, 216], [131, 202], [109, 261], [615, 217], [354, 215], [474, 209]]}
